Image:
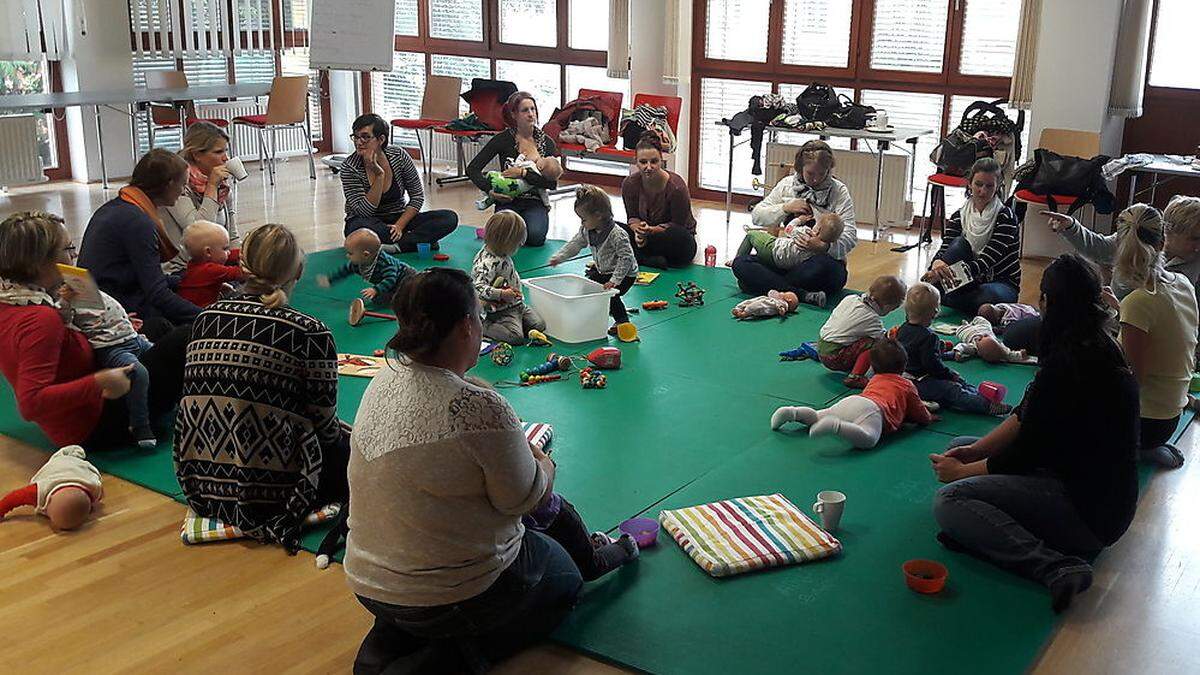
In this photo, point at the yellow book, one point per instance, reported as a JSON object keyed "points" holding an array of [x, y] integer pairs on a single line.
{"points": [[646, 278], [87, 293]]}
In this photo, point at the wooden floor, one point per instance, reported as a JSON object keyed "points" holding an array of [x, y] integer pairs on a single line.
{"points": [[123, 594]]}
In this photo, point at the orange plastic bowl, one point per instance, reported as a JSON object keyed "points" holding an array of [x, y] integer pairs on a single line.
{"points": [[925, 576]]}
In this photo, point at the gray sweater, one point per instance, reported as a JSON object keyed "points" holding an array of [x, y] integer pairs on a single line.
{"points": [[612, 251], [1102, 250]]}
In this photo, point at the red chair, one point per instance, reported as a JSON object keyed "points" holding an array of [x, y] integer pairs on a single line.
{"points": [[673, 104], [487, 104], [614, 100], [438, 107], [935, 200]]}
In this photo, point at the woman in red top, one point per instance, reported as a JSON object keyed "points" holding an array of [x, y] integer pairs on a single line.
{"points": [[50, 367], [659, 210]]}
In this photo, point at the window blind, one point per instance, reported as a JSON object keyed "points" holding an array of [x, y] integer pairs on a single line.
{"points": [[909, 35], [592, 77], [912, 111], [587, 24], [406, 17], [724, 98], [736, 30], [817, 32], [989, 39], [32, 30], [529, 22], [540, 79], [1174, 60], [456, 19], [295, 62], [398, 94], [465, 68]]}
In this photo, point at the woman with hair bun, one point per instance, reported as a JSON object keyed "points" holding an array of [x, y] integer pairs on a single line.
{"points": [[658, 209], [258, 444], [437, 551]]}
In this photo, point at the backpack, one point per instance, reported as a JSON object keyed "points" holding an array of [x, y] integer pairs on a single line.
{"points": [[990, 117], [955, 154], [1049, 174], [849, 115], [816, 102]]}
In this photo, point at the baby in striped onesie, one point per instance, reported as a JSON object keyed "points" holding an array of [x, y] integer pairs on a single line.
{"points": [[375, 266]]}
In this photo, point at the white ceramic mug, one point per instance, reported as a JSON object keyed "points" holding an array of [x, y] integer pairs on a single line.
{"points": [[881, 120], [236, 168], [829, 505]]}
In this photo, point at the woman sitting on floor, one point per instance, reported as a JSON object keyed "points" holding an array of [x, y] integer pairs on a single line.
{"points": [[436, 550], [206, 196], [809, 192], [658, 209], [258, 444], [527, 153], [126, 242], [52, 367], [1056, 482], [985, 237], [383, 191]]}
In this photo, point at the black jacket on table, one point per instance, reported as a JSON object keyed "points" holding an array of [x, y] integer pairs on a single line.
{"points": [[1083, 427], [504, 146]]}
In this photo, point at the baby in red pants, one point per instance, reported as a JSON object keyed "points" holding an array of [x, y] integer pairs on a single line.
{"points": [[854, 327]]}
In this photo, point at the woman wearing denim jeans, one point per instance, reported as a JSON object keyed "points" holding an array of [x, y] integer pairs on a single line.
{"points": [[440, 474], [1055, 483]]}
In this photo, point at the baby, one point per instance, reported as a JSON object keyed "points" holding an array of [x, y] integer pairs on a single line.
{"points": [[116, 345], [615, 264], [1002, 314], [208, 272], [785, 251], [978, 338], [515, 186], [854, 326], [774, 303], [64, 490], [375, 266], [935, 382], [888, 401], [497, 283]]}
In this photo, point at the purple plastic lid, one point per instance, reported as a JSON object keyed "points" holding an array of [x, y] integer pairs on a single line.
{"points": [[643, 530]]}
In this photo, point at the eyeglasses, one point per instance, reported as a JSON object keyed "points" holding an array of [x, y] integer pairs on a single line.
{"points": [[362, 138], [71, 251]]}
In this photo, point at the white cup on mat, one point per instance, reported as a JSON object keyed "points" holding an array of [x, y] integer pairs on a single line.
{"points": [[829, 505], [236, 168]]}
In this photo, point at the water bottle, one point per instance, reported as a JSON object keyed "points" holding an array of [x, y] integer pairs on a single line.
{"points": [[710, 256]]}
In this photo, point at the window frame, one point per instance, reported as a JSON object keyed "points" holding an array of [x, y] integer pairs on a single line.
{"points": [[857, 74]]}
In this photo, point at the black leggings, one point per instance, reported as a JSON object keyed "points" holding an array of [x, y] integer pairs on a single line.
{"points": [[164, 363], [1157, 432], [674, 248], [569, 530], [616, 306]]}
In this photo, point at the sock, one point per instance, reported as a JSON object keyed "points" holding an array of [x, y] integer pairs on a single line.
{"points": [[815, 298], [1064, 589], [626, 542], [792, 413]]}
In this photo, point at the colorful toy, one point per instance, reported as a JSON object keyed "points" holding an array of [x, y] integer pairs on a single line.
{"points": [[807, 350], [502, 354], [479, 232], [925, 576], [589, 378], [529, 380], [654, 305], [994, 392], [538, 339], [509, 187], [441, 257], [378, 352], [552, 364], [608, 358], [690, 295], [358, 310], [627, 332]]}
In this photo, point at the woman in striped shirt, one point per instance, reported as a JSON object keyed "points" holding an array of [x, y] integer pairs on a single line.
{"points": [[383, 191], [983, 235]]}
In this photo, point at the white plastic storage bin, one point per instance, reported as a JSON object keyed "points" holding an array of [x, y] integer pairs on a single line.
{"points": [[575, 308]]}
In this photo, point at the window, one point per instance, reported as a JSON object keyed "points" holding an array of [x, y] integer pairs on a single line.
{"points": [[958, 104], [201, 70], [295, 14], [406, 17], [539, 79], [529, 22], [398, 94], [295, 62], [1173, 63], [29, 77], [990, 37], [909, 35], [456, 20], [912, 111], [258, 67], [817, 32], [789, 93], [465, 68], [589, 24], [722, 98], [595, 77], [737, 30]]}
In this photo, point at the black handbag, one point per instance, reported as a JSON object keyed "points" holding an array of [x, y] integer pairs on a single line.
{"points": [[955, 154], [1049, 174], [817, 102], [849, 115], [990, 117]]}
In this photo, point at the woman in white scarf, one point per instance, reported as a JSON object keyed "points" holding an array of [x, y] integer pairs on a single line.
{"points": [[983, 236]]}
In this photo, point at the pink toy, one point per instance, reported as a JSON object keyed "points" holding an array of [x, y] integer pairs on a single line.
{"points": [[479, 233], [994, 392]]}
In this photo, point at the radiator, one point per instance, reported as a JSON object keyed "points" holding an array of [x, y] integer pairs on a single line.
{"points": [[288, 142], [859, 171], [20, 158]]}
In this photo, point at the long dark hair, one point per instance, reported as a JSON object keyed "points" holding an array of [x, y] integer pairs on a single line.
{"points": [[1077, 330], [428, 306]]}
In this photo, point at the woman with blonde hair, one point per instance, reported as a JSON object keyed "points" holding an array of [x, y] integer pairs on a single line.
{"points": [[258, 444], [206, 196]]}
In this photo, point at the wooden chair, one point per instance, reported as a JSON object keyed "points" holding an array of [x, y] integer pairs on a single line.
{"points": [[287, 108], [173, 115], [438, 106]]}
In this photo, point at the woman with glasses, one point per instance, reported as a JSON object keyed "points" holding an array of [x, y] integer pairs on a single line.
{"points": [[383, 191], [525, 152], [50, 366]]}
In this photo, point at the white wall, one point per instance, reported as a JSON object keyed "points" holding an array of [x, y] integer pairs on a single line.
{"points": [[646, 30], [99, 61], [345, 104]]}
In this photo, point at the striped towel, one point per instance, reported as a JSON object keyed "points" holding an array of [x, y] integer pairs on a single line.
{"points": [[539, 434], [748, 533], [197, 530]]}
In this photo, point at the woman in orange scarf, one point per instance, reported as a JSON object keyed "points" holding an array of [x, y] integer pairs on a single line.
{"points": [[125, 244]]}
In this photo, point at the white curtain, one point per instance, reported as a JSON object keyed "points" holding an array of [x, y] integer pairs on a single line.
{"points": [[671, 44], [204, 28], [26, 23], [1129, 69], [618, 39], [1020, 93]]}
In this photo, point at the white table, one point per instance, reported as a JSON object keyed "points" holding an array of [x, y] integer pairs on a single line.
{"points": [[1155, 169], [883, 141], [129, 99]]}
